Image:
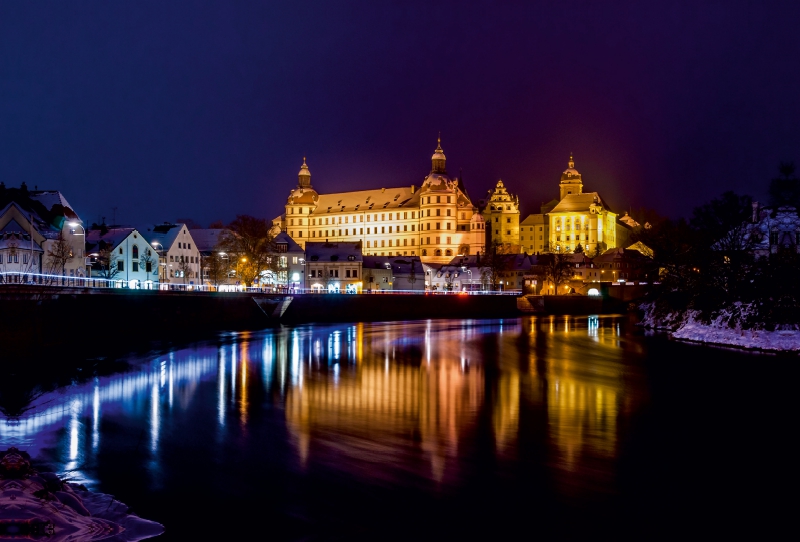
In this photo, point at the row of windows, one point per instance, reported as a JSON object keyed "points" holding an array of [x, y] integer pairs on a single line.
{"points": [[383, 243], [14, 258], [332, 220], [186, 246], [333, 273], [532, 228], [191, 259], [573, 238], [497, 219], [135, 266], [438, 199]]}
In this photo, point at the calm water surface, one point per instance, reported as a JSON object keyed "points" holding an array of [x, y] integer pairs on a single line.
{"points": [[535, 427]]}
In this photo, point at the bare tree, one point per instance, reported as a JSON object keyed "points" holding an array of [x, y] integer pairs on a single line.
{"points": [[59, 254], [412, 274], [106, 263], [495, 263], [146, 261], [218, 269], [556, 266], [250, 245], [185, 268]]}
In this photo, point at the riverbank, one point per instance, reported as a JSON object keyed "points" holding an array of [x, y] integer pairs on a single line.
{"points": [[728, 327]]}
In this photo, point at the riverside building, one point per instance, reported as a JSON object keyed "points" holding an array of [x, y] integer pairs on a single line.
{"points": [[434, 222]]}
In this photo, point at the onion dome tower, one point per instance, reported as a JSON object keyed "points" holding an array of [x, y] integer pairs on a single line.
{"points": [[571, 182]]}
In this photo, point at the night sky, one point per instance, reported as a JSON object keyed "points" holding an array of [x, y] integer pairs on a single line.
{"points": [[169, 110]]}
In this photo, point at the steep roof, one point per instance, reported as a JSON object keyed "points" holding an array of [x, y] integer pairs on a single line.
{"points": [[96, 239], [166, 234], [367, 200], [55, 202], [207, 239], [284, 238], [576, 203], [13, 235]]}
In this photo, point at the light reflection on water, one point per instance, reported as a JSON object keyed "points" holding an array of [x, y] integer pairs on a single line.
{"points": [[407, 404], [355, 393]]}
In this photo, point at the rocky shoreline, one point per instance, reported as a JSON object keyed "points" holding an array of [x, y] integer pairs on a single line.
{"points": [[40, 505]]}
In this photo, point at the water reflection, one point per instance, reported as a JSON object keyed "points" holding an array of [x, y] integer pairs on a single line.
{"points": [[384, 402]]}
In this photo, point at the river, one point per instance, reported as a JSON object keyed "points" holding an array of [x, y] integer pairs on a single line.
{"points": [[541, 427]]}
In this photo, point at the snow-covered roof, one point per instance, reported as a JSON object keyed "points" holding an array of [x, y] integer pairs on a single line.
{"points": [[51, 198], [333, 252], [577, 203], [111, 238], [165, 234], [206, 239]]}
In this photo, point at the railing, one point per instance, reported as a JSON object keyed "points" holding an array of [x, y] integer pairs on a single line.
{"points": [[59, 281]]}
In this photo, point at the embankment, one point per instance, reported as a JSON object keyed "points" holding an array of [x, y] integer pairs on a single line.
{"points": [[377, 307]]}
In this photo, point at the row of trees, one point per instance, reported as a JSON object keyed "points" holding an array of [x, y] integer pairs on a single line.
{"points": [[710, 262]]}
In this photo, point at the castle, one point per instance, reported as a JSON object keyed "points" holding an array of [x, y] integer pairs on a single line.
{"points": [[438, 221], [434, 222]]}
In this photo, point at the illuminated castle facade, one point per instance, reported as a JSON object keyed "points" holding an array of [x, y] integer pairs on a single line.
{"points": [[435, 222]]}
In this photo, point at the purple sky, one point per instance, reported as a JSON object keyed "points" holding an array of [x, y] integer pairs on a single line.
{"points": [[205, 109]]}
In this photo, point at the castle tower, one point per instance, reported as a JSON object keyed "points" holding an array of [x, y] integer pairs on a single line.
{"points": [[439, 235], [501, 213], [300, 204], [571, 182]]}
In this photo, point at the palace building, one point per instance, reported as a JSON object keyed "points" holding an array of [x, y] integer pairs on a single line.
{"points": [[435, 222], [578, 218], [501, 213]]}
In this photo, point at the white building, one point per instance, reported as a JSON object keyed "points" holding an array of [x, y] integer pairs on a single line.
{"points": [[178, 252], [124, 256], [39, 233]]}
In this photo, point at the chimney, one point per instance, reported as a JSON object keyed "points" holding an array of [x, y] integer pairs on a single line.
{"points": [[755, 212], [413, 188]]}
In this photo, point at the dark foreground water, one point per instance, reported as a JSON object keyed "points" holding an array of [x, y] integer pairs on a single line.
{"points": [[534, 427]]}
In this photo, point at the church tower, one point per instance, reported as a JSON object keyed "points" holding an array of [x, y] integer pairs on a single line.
{"points": [[571, 182]]}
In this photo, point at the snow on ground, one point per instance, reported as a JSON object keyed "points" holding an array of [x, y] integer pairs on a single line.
{"points": [[725, 329]]}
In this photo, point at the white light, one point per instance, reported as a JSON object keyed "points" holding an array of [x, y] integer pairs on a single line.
{"points": [[295, 277], [73, 224]]}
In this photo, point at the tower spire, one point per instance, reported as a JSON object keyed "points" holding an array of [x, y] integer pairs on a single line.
{"points": [[571, 161]]}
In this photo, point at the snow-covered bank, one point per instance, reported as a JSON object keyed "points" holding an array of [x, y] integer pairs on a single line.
{"points": [[729, 327]]}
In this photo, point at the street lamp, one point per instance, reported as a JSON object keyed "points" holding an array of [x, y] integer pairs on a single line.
{"points": [[83, 249], [162, 263]]}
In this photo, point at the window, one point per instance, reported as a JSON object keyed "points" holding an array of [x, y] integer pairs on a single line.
{"points": [[496, 219], [508, 221], [135, 267], [390, 228], [448, 241], [508, 232], [294, 259], [171, 258], [438, 199], [438, 225], [448, 199], [347, 274], [448, 211], [447, 225], [25, 258], [438, 212], [120, 265], [148, 267], [120, 251], [448, 252], [355, 273]]}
